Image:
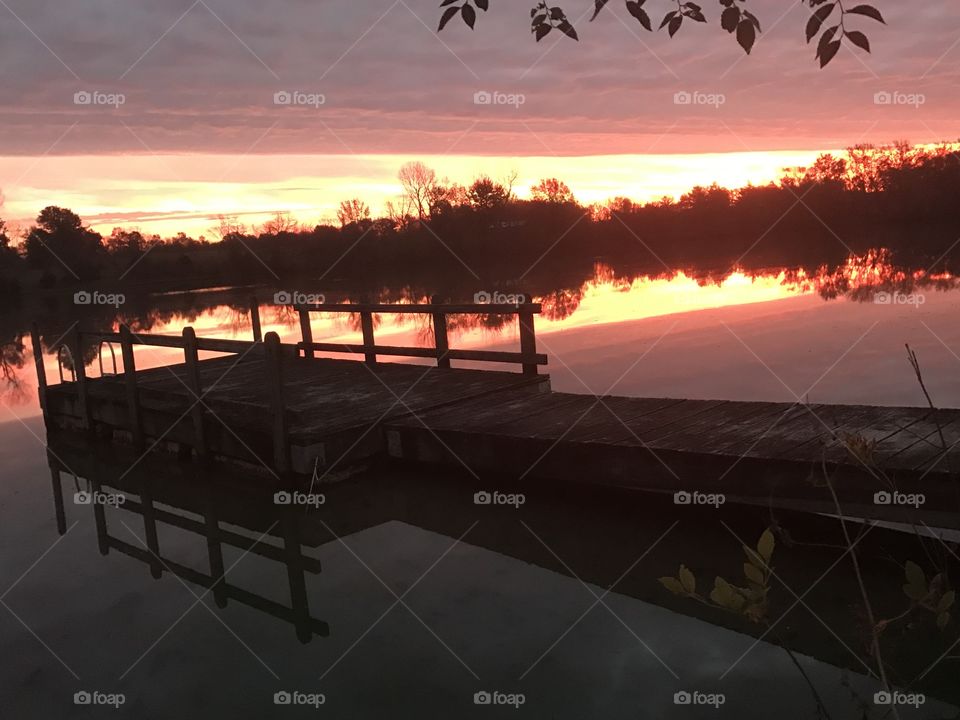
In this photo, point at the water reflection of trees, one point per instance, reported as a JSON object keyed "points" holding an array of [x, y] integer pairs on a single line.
{"points": [[560, 291]]}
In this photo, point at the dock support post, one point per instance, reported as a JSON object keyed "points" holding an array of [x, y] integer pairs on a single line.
{"points": [[191, 359], [281, 459], [306, 332], [528, 342], [80, 374], [41, 370], [366, 326], [440, 340], [255, 319], [133, 394]]}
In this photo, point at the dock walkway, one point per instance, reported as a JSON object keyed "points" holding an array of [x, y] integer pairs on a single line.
{"points": [[281, 407]]}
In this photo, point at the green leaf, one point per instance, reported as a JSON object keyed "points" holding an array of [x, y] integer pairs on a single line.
{"points": [[754, 558], [915, 575], [673, 585], [754, 574], [943, 620], [724, 595], [765, 546], [946, 602], [869, 11], [688, 580]]}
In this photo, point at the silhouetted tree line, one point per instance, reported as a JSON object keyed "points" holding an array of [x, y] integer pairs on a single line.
{"points": [[446, 235]]}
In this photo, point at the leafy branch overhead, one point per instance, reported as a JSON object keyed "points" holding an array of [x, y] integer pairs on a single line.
{"points": [[734, 18], [830, 40]]}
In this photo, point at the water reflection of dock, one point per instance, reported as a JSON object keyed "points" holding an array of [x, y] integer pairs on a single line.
{"points": [[148, 495], [607, 539], [281, 407]]}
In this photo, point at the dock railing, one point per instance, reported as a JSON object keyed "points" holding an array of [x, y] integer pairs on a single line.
{"points": [[274, 354], [528, 357]]}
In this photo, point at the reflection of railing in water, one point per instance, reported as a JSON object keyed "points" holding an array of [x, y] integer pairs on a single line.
{"points": [[290, 554]]}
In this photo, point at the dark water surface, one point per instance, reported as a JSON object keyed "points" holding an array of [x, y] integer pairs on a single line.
{"points": [[429, 599]]}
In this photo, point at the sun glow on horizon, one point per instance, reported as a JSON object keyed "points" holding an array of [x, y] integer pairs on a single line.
{"points": [[186, 193]]}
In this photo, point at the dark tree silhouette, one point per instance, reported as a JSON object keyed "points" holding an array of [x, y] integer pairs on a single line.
{"points": [[734, 18], [60, 241]]}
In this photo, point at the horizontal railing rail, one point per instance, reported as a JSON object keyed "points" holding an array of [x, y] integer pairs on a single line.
{"points": [[528, 357]]}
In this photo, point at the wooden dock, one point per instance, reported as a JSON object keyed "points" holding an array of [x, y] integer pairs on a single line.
{"points": [[280, 407]]}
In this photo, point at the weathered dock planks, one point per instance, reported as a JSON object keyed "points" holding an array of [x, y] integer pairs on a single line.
{"points": [[283, 408]]}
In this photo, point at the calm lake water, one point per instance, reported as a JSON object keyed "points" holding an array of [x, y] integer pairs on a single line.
{"points": [[428, 600]]}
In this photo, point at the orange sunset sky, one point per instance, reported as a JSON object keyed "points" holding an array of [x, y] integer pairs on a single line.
{"points": [[164, 115]]}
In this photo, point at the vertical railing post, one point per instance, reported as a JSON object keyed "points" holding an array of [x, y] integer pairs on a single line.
{"points": [[528, 342], [255, 319], [192, 361], [366, 327], [274, 380], [41, 370], [133, 394], [306, 332], [441, 341], [80, 374]]}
